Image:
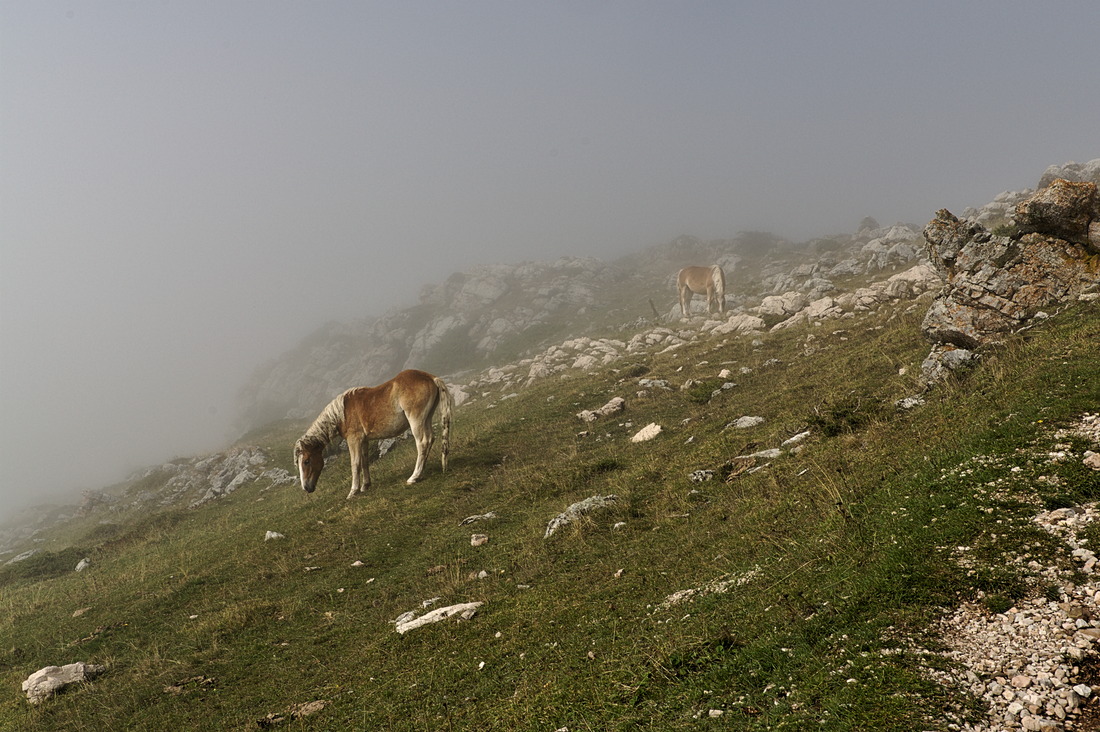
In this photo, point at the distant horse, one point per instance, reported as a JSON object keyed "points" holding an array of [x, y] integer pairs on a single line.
{"points": [[702, 280], [406, 402]]}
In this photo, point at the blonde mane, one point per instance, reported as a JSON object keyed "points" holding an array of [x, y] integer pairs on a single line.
{"points": [[326, 428]]}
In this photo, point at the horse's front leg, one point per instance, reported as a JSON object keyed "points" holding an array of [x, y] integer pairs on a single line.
{"points": [[360, 467]]}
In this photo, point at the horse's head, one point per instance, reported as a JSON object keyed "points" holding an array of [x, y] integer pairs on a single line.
{"points": [[310, 459]]}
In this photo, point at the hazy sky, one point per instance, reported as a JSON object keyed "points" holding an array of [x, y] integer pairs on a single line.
{"points": [[187, 188]]}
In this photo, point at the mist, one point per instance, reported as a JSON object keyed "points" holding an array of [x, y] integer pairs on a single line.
{"points": [[188, 189]]}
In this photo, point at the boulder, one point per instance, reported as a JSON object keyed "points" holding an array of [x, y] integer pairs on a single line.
{"points": [[942, 361], [738, 324], [777, 308], [615, 405], [51, 680], [1064, 209], [647, 433]]}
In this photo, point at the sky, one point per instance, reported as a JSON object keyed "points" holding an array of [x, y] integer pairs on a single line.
{"points": [[189, 188]]}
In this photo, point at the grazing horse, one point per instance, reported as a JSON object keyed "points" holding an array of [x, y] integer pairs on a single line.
{"points": [[702, 280], [405, 402]]}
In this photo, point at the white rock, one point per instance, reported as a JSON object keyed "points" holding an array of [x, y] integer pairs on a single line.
{"points": [[273, 535], [744, 423], [478, 517], [49, 680], [462, 611], [25, 555], [578, 509], [796, 439], [615, 405], [648, 432]]}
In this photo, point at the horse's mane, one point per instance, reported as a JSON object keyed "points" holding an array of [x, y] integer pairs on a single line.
{"points": [[326, 427]]}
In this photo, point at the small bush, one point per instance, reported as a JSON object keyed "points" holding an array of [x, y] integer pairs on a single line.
{"points": [[843, 417], [700, 392], [997, 604]]}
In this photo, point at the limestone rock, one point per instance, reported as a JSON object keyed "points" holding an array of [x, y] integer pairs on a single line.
{"points": [[943, 360], [615, 405], [1075, 172], [738, 323], [1063, 209], [995, 284], [646, 433], [744, 423], [777, 308], [461, 611], [51, 680], [578, 509]]}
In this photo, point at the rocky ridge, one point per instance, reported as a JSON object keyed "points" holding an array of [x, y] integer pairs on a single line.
{"points": [[462, 322], [493, 313]]}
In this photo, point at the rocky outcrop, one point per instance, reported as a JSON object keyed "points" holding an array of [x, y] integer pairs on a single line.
{"points": [[1001, 210], [588, 353], [996, 283]]}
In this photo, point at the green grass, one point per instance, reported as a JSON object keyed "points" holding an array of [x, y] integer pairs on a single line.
{"points": [[844, 547]]}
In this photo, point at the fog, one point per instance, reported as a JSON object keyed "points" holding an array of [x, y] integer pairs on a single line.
{"points": [[189, 188]]}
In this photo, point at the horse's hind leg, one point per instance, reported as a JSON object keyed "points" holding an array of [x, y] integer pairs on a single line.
{"points": [[424, 435]]}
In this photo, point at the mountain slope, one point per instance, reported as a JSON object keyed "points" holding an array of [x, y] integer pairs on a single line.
{"points": [[734, 581], [834, 552]]}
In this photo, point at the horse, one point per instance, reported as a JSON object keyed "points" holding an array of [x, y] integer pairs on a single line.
{"points": [[702, 280], [406, 402]]}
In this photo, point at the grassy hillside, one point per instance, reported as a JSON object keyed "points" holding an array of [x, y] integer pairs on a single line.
{"points": [[835, 559]]}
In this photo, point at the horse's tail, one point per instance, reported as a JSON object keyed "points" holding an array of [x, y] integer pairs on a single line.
{"points": [[447, 406], [719, 278]]}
